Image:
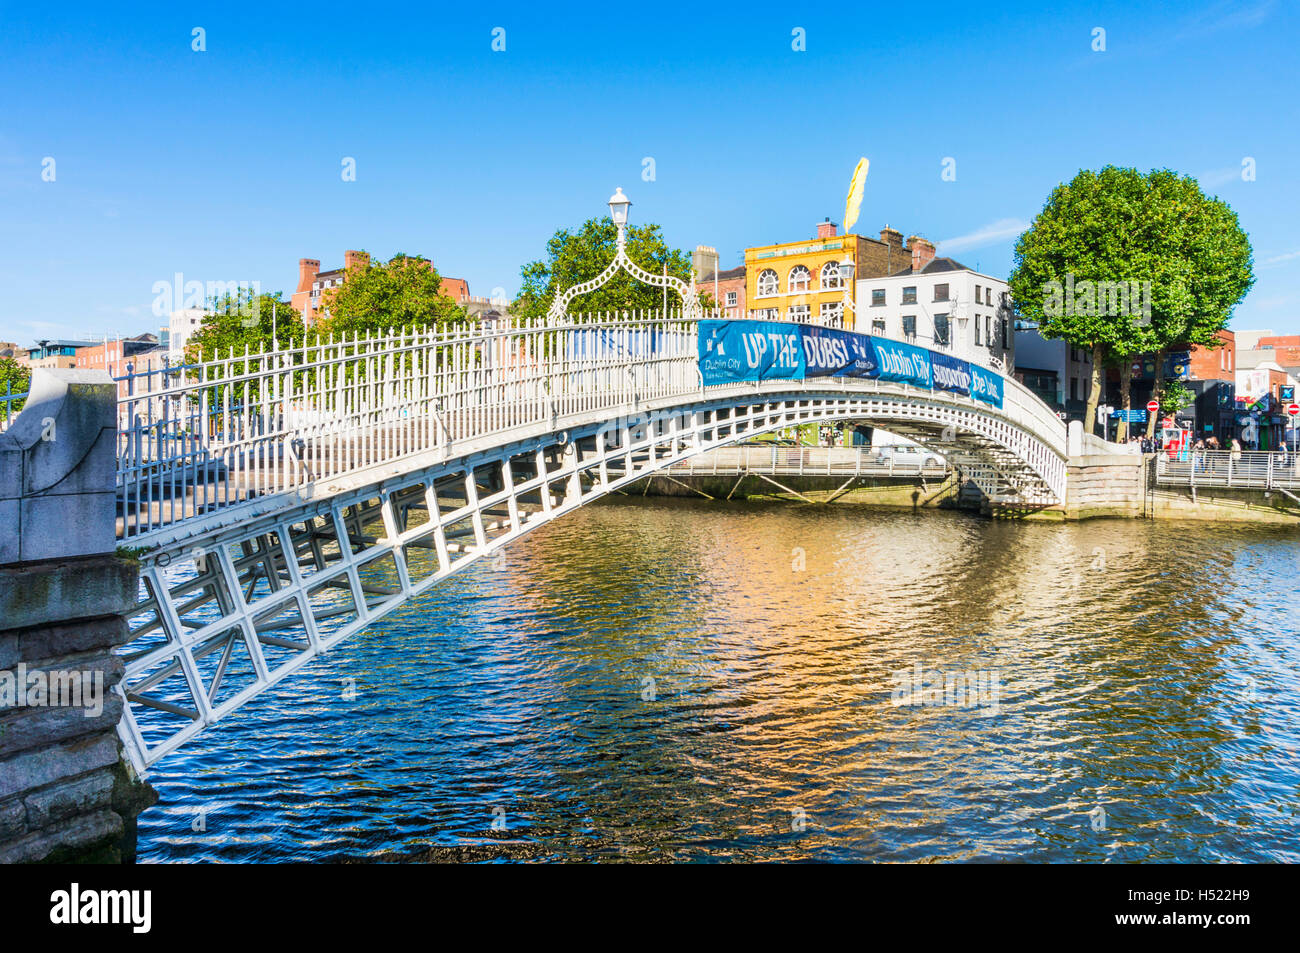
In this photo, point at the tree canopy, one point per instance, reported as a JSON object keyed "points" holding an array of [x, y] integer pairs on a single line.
{"points": [[15, 378], [403, 293], [1122, 262], [239, 323], [573, 257]]}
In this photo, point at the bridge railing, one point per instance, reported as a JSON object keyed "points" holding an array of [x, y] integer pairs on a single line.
{"points": [[196, 438], [1253, 469]]}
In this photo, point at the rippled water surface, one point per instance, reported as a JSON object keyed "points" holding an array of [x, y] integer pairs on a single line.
{"points": [[658, 680]]}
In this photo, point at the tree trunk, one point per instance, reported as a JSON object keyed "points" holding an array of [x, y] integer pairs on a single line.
{"points": [[1125, 398], [1158, 382], [1094, 391]]}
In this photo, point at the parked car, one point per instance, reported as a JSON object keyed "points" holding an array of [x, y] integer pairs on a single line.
{"points": [[906, 455]]}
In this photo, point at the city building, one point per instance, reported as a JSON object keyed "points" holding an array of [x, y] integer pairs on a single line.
{"points": [[1059, 374], [1282, 350], [941, 304], [55, 353], [1209, 373], [11, 350], [725, 286], [310, 299], [812, 281], [114, 355], [180, 325]]}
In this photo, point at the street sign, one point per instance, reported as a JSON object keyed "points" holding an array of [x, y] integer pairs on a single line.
{"points": [[1293, 409], [1153, 406], [1166, 423]]}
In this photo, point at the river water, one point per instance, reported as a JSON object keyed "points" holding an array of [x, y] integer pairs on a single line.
{"points": [[672, 680]]}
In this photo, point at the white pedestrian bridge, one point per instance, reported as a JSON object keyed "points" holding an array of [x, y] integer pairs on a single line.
{"points": [[284, 501]]}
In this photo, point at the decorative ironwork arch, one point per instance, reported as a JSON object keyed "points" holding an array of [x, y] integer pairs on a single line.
{"points": [[690, 299]]}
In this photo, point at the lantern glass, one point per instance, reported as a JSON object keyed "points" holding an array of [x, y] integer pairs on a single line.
{"points": [[618, 206]]}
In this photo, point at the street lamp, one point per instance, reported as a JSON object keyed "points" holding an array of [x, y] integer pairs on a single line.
{"points": [[618, 206]]}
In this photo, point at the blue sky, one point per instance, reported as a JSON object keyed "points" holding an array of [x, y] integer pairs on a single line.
{"points": [[225, 164]]}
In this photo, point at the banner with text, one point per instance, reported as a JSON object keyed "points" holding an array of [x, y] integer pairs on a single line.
{"points": [[985, 386], [732, 351], [830, 352]]}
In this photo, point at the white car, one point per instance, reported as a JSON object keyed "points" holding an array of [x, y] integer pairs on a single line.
{"points": [[905, 455]]}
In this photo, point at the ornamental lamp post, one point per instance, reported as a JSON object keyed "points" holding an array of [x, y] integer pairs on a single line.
{"points": [[618, 206]]}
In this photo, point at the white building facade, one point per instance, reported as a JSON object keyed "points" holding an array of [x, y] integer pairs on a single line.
{"points": [[944, 306], [180, 326]]}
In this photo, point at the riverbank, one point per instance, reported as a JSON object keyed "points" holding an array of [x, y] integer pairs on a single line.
{"points": [[1101, 486]]}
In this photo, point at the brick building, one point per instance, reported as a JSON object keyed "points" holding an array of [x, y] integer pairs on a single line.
{"points": [[814, 280], [309, 299], [727, 288]]}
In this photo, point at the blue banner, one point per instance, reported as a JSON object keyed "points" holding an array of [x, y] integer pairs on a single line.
{"points": [[985, 386], [951, 373], [830, 352], [749, 351], [732, 351], [902, 362]]}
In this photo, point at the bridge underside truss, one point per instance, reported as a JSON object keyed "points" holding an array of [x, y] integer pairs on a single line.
{"points": [[227, 614]]}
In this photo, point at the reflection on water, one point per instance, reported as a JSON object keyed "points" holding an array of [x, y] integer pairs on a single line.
{"points": [[671, 680]]}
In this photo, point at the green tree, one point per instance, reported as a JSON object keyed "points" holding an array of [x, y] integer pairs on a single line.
{"points": [[404, 293], [14, 379], [238, 323], [573, 257], [1121, 263]]}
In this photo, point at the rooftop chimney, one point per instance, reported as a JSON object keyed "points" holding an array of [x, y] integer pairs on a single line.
{"points": [[308, 269], [353, 259], [922, 251], [826, 229]]}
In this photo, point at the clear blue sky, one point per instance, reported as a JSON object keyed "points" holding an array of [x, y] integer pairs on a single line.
{"points": [[225, 164]]}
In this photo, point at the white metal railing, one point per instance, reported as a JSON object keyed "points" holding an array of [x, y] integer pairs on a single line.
{"points": [[807, 461], [196, 438], [1248, 468], [193, 439]]}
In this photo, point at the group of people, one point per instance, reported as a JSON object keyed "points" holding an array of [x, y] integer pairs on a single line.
{"points": [[1199, 446]]}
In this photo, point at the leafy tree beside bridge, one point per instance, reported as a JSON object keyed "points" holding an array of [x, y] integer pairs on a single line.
{"points": [[404, 293], [1121, 263], [239, 323], [573, 257]]}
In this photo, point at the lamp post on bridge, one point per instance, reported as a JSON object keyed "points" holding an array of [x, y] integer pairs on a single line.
{"points": [[618, 206], [618, 209]]}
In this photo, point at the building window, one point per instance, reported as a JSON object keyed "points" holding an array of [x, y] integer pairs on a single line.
{"points": [[988, 329], [988, 296], [977, 294], [1003, 324], [941, 329], [977, 330], [878, 326], [832, 312], [909, 327], [1074, 388], [909, 295], [800, 278], [877, 297], [765, 314], [767, 283], [831, 277], [731, 299], [940, 292], [800, 313]]}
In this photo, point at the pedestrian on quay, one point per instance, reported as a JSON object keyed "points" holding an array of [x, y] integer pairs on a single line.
{"points": [[1235, 447]]}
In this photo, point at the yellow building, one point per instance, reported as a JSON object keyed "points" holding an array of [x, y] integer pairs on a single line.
{"points": [[813, 281]]}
